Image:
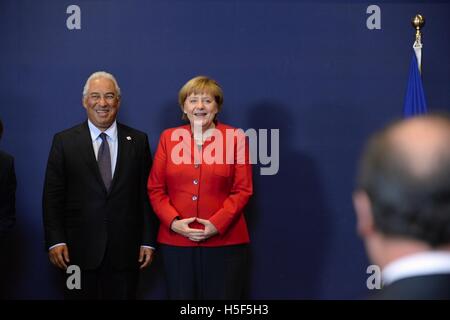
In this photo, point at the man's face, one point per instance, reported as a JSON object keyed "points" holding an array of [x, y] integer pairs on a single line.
{"points": [[101, 102]]}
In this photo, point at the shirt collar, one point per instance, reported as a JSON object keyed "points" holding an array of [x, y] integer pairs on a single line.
{"points": [[420, 264], [95, 132]]}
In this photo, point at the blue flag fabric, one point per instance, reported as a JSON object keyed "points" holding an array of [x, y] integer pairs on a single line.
{"points": [[415, 103]]}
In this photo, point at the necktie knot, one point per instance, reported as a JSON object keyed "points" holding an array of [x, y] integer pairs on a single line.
{"points": [[103, 136]]}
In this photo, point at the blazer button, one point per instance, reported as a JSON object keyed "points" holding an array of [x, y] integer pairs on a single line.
{"points": [[196, 166], [194, 198], [195, 181]]}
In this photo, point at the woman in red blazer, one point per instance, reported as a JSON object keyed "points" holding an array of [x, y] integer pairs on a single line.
{"points": [[200, 182]]}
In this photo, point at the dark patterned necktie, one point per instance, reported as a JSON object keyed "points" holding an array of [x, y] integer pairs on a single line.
{"points": [[104, 161]]}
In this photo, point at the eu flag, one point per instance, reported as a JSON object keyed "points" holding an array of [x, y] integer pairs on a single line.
{"points": [[415, 103]]}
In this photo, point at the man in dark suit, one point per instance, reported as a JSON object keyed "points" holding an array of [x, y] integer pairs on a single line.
{"points": [[7, 191], [96, 210], [403, 207]]}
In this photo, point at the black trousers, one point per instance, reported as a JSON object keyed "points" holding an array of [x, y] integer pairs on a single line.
{"points": [[105, 283], [205, 273]]}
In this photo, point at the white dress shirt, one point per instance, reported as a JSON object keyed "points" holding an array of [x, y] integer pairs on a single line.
{"points": [[111, 134], [419, 264]]}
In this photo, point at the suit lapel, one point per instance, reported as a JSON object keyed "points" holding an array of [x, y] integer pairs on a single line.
{"points": [[87, 151], [123, 149]]}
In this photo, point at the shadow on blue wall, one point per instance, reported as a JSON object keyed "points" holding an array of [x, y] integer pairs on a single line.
{"points": [[299, 248]]}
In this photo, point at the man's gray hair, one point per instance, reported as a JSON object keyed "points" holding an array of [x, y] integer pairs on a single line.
{"points": [[101, 74]]}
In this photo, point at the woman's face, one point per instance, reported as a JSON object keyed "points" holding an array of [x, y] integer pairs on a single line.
{"points": [[200, 109]]}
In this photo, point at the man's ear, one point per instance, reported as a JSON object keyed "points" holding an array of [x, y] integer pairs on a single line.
{"points": [[83, 101], [364, 216]]}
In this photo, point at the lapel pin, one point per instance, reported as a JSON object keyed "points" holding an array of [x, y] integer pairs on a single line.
{"points": [[128, 138]]}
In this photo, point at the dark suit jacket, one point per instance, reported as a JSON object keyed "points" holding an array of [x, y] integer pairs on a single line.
{"points": [[429, 287], [79, 211], [7, 193]]}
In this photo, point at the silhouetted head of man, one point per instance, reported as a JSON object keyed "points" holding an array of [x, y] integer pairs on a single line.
{"points": [[402, 198]]}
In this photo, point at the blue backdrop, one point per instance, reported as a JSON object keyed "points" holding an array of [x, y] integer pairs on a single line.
{"points": [[311, 69]]}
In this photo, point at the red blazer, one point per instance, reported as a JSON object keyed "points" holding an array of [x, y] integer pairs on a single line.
{"points": [[215, 191]]}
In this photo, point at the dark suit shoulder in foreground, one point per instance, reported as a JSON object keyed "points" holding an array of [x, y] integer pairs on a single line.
{"points": [[429, 287]]}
